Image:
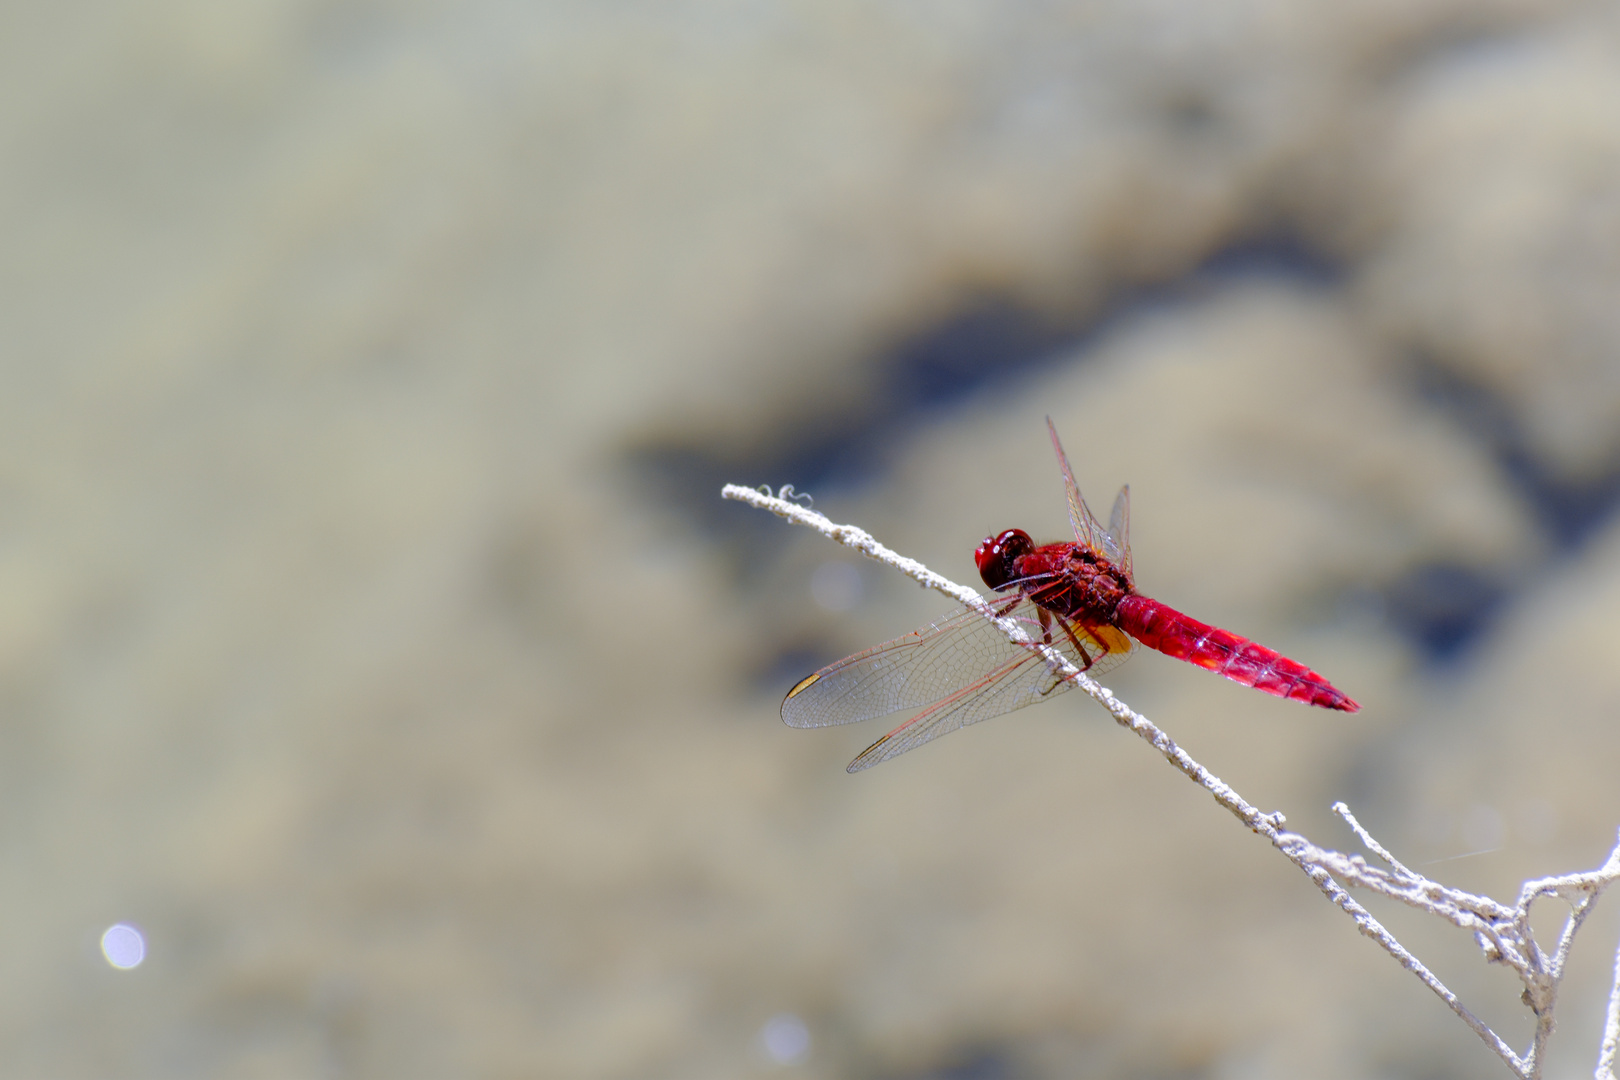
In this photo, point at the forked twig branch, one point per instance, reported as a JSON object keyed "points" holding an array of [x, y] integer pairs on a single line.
{"points": [[1503, 933]]}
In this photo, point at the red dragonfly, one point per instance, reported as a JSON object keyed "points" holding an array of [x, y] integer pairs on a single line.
{"points": [[1075, 596]]}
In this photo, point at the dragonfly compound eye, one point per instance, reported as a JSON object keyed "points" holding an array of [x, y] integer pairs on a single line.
{"points": [[995, 557]]}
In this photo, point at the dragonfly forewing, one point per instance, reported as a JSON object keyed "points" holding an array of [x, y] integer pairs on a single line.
{"points": [[907, 673], [963, 666], [1088, 531]]}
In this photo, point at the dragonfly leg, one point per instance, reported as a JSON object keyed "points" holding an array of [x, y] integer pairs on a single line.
{"points": [[1075, 641]]}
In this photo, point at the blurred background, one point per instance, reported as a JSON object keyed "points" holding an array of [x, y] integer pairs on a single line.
{"points": [[375, 646]]}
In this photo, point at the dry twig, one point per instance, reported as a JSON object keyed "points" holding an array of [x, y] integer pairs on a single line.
{"points": [[1503, 933]]}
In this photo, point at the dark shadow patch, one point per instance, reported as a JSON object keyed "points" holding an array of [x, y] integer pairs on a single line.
{"points": [[783, 671], [1443, 609], [991, 345], [1281, 256], [975, 350], [979, 1064], [1570, 510]]}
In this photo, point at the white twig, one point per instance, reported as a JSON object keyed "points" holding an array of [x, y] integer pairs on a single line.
{"points": [[1503, 933], [1611, 1029]]}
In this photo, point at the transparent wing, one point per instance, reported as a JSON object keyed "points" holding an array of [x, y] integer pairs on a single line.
{"points": [[963, 665], [908, 672], [1119, 529], [1022, 680], [1086, 528]]}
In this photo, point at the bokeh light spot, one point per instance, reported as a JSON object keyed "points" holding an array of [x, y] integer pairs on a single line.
{"points": [[123, 946], [785, 1039]]}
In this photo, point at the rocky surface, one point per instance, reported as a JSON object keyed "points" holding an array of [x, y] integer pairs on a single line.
{"points": [[374, 640]]}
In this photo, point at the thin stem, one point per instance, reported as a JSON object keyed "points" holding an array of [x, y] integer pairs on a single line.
{"points": [[1610, 1050]]}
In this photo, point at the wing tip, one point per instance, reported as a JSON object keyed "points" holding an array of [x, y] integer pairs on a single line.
{"points": [[787, 702], [869, 757], [801, 686]]}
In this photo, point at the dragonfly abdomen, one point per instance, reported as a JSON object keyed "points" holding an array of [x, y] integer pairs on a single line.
{"points": [[1161, 627]]}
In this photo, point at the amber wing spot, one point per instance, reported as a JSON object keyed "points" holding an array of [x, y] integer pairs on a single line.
{"points": [[802, 685], [1113, 639]]}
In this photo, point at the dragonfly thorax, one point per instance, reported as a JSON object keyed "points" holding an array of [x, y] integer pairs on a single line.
{"points": [[1075, 581], [1066, 578]]}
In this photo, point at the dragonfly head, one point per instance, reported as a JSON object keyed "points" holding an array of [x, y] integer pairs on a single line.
{"points": [[995, 557]]}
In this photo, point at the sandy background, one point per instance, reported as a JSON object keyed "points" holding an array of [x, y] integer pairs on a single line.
{"points": [[373, 638]]}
